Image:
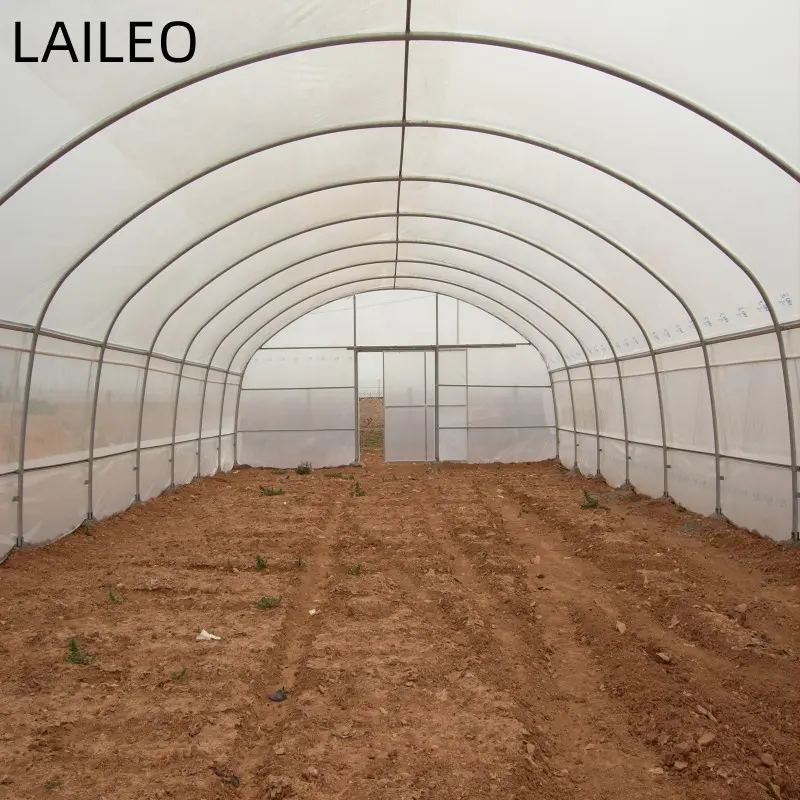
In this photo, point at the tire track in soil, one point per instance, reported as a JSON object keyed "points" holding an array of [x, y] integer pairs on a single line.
{"points": [[661, 700], [445, 704], [264, 721], [589, 752], [682, 557], [492, 654]]}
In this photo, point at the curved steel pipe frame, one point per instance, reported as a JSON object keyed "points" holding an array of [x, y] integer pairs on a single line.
{"points": [[581, 159], [407, 37]]}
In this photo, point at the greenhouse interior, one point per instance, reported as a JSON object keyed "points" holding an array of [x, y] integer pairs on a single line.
{"points": [[637, 225], [559, 235]]}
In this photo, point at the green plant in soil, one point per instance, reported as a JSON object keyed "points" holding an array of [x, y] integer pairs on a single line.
{"points": [[55, 784], [359, 491], [116, 599], [304, 468], [266, 602], [75, 655], [356, 569], [590, 500], [180, 676], [269, 492], [261, 563]]}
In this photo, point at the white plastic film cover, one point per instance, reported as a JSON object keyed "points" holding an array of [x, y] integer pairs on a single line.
{"points": [[13, 366], [55, 502], [288, 449], [297, 405], [8, 514], [114, 486]]}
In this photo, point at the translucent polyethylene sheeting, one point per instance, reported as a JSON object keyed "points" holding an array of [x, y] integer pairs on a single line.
{"points": [[608, 180], [298, 405]]}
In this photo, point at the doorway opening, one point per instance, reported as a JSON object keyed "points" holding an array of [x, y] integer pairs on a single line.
{"points": [[371, 417], [398, 403]]}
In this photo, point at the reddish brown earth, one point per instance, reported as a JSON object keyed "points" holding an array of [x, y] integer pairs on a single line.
{"points": [[497, 641]]}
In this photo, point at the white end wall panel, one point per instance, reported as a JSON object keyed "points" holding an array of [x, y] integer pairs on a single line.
{"points": [[286, 449], [510, 445]]}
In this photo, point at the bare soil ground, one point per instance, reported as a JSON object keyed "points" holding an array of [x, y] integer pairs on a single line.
{"points": [[478, 635]]}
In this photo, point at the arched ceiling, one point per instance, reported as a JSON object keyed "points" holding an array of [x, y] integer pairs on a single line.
{"points": [[618, 188]]}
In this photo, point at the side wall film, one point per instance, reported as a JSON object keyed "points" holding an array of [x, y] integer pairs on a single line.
{"points": [[744, 473]]}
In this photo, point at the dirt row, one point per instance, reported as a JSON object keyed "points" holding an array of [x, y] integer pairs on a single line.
{"points": [[441, 631]]}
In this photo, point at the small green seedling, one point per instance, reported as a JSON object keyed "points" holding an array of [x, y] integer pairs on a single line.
{"points": [[265, 603], [359, 491], [261, 563], [87, 527], [74, 653], [304, 468], [268, 492], [51, 785], [590, 501], [280, 471], [227, 777], [180, 676], [356, 569], [116, 599]]}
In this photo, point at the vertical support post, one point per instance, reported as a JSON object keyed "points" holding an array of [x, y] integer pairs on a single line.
{"points": [[357, 411], [627, 484], [200, 422], [383, 382], [221, 417], [175, 425], [574, 420], [236, 419], [555, 410], [425, 398], [436, 388]]}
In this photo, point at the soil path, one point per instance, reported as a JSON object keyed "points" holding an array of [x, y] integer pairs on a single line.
{"points": [[476, 634]]}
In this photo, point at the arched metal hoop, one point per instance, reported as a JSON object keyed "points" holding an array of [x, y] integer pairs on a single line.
{"points": [[647, 193], [666, 205], [409, 36], [580, 159]]}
